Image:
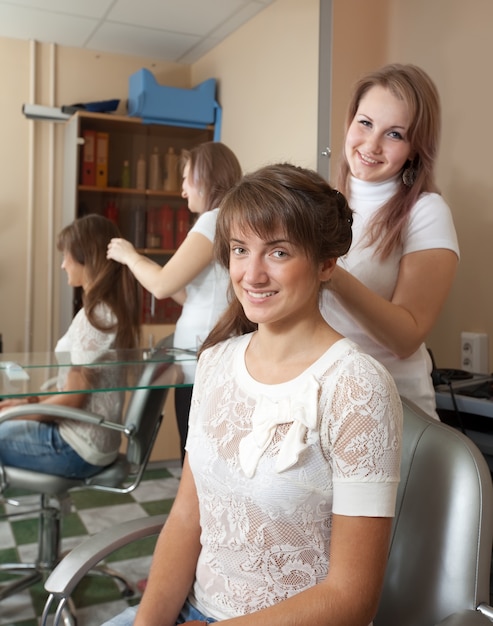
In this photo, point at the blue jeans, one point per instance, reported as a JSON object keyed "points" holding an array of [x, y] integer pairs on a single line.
{"points": [[187, 614], [38, 446]]}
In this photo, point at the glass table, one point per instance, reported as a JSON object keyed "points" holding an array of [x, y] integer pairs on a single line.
{"points": [[25, 374]]}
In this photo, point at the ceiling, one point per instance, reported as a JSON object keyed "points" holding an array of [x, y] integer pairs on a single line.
{"points": [[180, 31]]}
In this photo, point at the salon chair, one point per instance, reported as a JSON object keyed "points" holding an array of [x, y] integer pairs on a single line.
{"points": [[438, 570], [140, 425]]}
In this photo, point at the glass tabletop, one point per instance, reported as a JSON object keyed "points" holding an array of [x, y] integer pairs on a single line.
{"points": [[44, 373]]}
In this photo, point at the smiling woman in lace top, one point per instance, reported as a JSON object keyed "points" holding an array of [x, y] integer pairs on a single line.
{"points": [[284, 509]]}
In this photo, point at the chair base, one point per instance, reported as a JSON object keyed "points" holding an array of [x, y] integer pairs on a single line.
{"points": [[49, 553]]}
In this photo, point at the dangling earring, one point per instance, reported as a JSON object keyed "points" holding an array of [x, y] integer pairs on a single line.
{"points": [[409, 174]]}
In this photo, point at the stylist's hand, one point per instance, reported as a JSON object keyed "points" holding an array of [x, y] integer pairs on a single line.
{"points": [[122, 251]]}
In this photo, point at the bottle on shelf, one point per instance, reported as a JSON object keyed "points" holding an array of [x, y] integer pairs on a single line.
{"points": [[141, 172], [171, 180], [126, 174], [155, 171]]}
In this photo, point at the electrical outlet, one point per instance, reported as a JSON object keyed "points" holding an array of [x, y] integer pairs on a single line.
{"points": [[474, 352]]}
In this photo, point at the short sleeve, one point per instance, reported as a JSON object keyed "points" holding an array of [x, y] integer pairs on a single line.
{"points": [[362, 424], [430, 226]]}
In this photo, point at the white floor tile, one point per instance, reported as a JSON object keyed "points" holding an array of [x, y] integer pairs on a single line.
{"points": [[99, 518], [16, 608], [159, 489]]}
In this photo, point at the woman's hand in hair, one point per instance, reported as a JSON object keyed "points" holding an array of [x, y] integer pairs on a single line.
{"points": [[122, 251]]}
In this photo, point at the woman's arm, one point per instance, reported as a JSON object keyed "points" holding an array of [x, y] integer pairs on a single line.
{"points": [[350, 594], [194, 255], [403, 323], [175, 559], [75, 381]]}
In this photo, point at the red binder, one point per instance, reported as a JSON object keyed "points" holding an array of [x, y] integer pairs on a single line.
{"points": [[102, 159], [89, 158]]}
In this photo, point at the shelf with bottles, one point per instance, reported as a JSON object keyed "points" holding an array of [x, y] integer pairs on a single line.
{"points": [[120, 152]]}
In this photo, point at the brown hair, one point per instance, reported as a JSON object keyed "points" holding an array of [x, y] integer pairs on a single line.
{"points": [[214, 168], [86, 240], [283, 197], [412, 85]]}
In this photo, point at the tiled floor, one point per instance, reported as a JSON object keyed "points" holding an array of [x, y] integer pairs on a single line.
{"points": [[96, 598]]}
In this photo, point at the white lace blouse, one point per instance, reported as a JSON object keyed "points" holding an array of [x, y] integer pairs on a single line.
{"points": [[272, 463], [85, 344]]}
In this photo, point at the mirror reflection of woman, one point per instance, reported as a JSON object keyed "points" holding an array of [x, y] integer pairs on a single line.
{"points": [[191, 276], [108, 320]]}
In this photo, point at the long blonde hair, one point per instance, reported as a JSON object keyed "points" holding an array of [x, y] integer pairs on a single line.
{"points": [[412, 85]]}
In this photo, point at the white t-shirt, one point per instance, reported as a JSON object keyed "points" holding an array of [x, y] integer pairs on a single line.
{"points": [[206, 298], [85, 344], [430, 226], [272, 463]]}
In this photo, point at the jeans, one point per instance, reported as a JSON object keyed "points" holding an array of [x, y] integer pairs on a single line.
{"points": [[187, 614], [38, 446]]}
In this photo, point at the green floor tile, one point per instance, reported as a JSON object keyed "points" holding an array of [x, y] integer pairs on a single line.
{"points": [[39, 597], [73, 526], [94, 589], [157, 507], [26, 531], [90, 498], [155, 474], [137, 549]]}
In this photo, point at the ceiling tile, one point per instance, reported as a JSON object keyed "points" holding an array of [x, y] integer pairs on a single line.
{"points": [[22, 23], [148, 42], [171, 30], [87, 8], [183, 16]]}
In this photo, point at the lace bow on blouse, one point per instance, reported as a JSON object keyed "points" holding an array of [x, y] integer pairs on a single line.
{"points": [[300, 408]]}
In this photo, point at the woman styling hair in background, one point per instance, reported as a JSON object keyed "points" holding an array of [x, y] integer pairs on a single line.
{"points": [[191, 276], [387, 292], [108, 319]]}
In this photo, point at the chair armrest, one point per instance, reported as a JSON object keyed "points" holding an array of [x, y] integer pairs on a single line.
{"points": [[469, 618], [56, 410], [79, 561]]}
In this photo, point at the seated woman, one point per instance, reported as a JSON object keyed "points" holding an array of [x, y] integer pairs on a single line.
{"points": [[284, 509], [109, 319]]}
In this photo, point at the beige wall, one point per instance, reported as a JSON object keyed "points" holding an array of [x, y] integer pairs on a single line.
{"points": [[267, 73], [268, 81], [452, 40]]}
